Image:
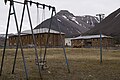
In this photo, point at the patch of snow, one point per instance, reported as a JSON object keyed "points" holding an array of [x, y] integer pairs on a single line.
{"points": [[77, 22], [87, 21], [74, 19], [65, 17], [117, 15], [82, 19], [84, 16], [59, 20], [96, 19], [80, 24], [78, 31], [92, 21]]}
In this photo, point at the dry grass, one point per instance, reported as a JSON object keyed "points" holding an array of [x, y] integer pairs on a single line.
{"points": [[84, 65]]}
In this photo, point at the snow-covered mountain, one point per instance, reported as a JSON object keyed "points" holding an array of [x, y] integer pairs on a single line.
{"points": [[91, 20], [69, 24], [109, 26]]}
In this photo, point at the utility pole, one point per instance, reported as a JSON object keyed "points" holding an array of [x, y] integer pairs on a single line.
{"points": [[101, 16]]}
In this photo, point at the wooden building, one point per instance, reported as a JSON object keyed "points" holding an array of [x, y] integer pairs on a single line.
{"points": [[2, 38], [92, 41], [40, 37], [1, 42]]}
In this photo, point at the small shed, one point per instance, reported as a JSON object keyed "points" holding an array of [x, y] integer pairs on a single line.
{"points": [[92, 41], [40, 37], [68, 42]]}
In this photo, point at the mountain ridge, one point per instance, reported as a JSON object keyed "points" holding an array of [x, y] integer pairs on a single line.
{"points": [[109, 26], [69, 24]]}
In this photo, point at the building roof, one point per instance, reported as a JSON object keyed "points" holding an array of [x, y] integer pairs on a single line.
{"points": [[91, 37], [37, 31], [41, 30], [2, 35]]}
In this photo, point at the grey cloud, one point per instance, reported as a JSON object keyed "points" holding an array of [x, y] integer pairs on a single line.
{"points": [[77, 7]]}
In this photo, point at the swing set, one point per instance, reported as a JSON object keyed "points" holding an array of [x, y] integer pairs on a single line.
{"points": [[19, 41]]}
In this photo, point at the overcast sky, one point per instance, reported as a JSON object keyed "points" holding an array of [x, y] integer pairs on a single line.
{"points": [[77, 7]]}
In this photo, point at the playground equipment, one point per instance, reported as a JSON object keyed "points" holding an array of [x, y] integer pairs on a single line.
{"points": [[19, 28]]}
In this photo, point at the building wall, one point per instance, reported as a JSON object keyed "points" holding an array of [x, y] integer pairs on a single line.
{"points": [[106, 42], [1, 42], [67, 41], [41, 39]]}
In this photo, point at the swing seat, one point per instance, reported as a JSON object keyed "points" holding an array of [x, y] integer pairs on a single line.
{"points": [[41, 63]]}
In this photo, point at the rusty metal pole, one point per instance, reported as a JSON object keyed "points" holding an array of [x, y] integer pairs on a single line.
{"points": [[5, 43]]}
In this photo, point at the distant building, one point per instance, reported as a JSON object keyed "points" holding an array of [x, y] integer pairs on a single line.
{"points": [[68, 42], [92, 41], [1, 42], [2, 38], [40, 37]]}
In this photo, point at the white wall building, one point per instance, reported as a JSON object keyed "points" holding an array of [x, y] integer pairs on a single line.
{"points": [[68, 41]]}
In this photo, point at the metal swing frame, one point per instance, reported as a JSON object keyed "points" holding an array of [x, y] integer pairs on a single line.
{"points": [[48, 35], [19, 42]]}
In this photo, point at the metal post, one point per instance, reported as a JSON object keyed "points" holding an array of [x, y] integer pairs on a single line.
{"points": [[39, 34], [100, 18], [46, 45], [5, 42], [63, 46], [34, 41], [18, 40], [24, 61], [100, 47]]}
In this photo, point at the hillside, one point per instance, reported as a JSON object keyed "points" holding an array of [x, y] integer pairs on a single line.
{"points": [[109, 26], [71, 25]]}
